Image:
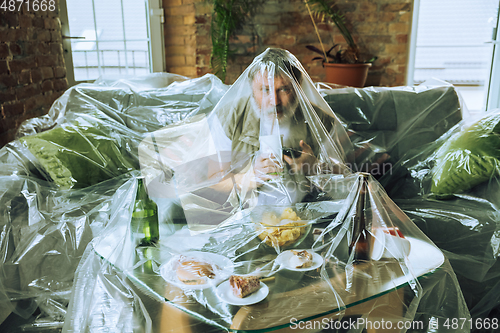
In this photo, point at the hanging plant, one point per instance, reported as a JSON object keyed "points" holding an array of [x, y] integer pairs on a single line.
{"points": [[228, 17]]}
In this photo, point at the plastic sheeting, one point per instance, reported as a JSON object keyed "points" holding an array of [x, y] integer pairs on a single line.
{"points": [[386, 123], [60, 180], [141, 104], [450, 189], [51, 215], [268, 140], [406, 280]]}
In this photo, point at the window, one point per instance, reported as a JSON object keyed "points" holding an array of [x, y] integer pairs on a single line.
{"points": [[111, 38], [450, 42]]}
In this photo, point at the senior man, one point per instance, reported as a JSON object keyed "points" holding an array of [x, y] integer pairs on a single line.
{"points": [[277, 127]]}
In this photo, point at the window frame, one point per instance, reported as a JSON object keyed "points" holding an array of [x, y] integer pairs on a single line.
{"points": [[155, 19]]}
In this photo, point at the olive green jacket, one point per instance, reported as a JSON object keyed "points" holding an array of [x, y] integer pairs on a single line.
{"points": [[242, 126]]}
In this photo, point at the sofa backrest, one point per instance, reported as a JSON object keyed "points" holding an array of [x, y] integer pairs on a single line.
{"points": [[396, 119]]}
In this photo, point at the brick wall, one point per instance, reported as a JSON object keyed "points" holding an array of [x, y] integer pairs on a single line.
{"points": [[381, 27], [32, 70], [180, 37]]}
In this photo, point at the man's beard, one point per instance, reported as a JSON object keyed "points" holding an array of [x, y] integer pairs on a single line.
{"points": [[282, 113]]}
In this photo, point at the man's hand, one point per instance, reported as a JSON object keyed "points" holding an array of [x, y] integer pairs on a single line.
{"points": [[266, 167], [306, 162]]}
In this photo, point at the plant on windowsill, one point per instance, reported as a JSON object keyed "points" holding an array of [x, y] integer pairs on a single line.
{"points": [[343, 66]]}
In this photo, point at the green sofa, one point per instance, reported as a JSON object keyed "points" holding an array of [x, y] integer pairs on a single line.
{"points": [[406, 123]]}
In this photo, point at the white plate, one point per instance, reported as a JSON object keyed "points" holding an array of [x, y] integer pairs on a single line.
{"points": [[226, 267], [225, 293], [284, 261]]}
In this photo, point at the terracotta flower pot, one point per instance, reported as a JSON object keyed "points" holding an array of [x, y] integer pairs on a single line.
{"points": [[353, 75]]}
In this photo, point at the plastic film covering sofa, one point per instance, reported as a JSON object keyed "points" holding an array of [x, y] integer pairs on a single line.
{"points": [[444, 174], [65, 220], [394, 120], [60, 181], [450, 189]]}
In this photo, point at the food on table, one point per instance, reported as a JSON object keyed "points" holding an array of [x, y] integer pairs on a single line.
{"points": [[301, 259], [317, 232], [243, 286], [193, 271], [278, 232], [289, 214]]}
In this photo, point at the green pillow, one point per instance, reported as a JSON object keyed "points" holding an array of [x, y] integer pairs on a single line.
{"points": [[80, 153], [468, 158]]}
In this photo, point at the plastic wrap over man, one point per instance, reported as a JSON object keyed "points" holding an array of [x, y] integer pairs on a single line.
{"points": [[269, 134], [273, 116]]}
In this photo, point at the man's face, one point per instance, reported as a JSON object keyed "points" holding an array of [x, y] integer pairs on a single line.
{"points": [[275, 93]]}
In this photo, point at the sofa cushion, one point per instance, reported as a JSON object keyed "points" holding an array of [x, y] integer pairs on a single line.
{"points": [[468, 158], [81, 153]]}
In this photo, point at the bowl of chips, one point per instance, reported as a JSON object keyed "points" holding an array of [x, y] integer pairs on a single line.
{"points": [[281, 228]]}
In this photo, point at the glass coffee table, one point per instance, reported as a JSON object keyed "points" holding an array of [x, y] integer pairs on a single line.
{"points": [[296, 299]]}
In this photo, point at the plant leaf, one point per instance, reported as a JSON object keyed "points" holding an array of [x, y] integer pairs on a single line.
{"points": [[314, 49], [228, 17], [330, 50]]}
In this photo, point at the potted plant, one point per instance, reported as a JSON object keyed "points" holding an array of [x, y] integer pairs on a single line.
{"points": [[343, 66]]}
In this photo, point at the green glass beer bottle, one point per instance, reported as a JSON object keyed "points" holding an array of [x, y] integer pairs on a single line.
{"points": [[145, 230]]}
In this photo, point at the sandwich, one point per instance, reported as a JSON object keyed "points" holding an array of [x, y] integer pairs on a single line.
{"points": [[242, 286], [191, 271]]}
